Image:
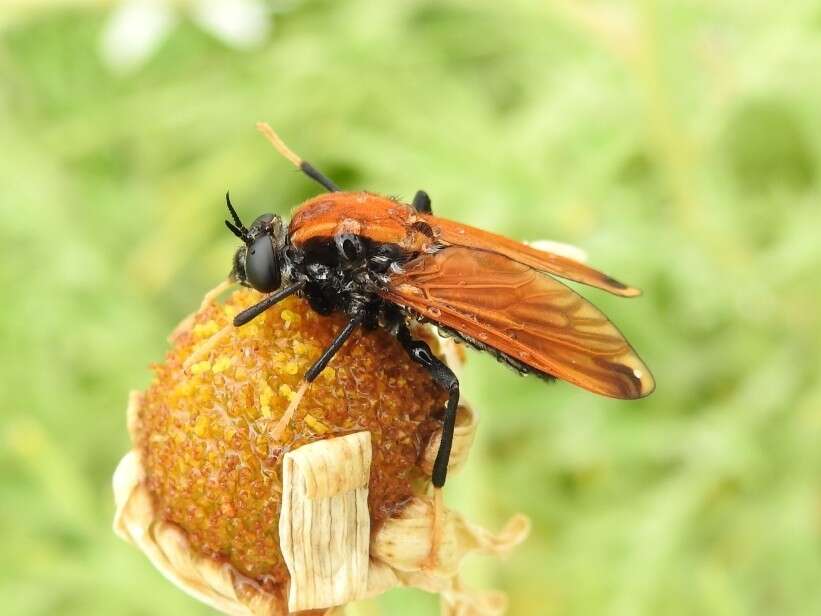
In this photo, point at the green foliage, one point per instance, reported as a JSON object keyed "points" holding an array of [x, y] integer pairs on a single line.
{"points": [[677, 143]]}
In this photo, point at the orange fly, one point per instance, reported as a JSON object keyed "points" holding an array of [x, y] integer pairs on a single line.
{"points": [[385, 263]]}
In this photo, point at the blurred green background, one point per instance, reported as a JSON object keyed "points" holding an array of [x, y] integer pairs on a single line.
{"points": [[677, 142]]}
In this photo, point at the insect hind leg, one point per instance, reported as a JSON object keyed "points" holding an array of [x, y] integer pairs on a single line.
{"points": [[303, 165], [420, 353], [421, 202]]}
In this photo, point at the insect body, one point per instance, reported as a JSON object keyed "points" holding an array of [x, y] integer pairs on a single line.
{"points": [[385, 263]]}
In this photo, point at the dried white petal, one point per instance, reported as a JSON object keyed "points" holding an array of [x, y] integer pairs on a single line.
{"points": [[560, 248], [463, 436], [381, 578], [404, 542], [127, 477], [324, 524], [135, 399], [458, 601]]}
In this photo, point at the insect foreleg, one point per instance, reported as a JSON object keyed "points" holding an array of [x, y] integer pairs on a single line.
{"points": [[257, 309], [420, 353], [421, 202]]}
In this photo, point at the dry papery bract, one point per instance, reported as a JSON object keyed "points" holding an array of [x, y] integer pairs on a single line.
{"points": [[331, 545]]}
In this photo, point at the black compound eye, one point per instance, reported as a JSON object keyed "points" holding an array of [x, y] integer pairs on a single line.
{"points": [[261, 266]]}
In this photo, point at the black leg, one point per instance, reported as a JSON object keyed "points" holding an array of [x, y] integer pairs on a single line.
{"points": [[303, 165], [333, 348], [420, 353], [316, 175], [421, 202], [257, 309]]}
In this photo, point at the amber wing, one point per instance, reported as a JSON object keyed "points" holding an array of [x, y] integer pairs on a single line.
{"points": [[457, 234], [527, 315]]}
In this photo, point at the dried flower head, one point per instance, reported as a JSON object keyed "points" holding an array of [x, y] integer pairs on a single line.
{"points": [[218, 481]]}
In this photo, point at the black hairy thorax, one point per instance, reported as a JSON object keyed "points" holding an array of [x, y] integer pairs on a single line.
{"points": [[346, 273]]}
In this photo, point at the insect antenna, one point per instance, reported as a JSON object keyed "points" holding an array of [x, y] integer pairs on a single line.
{"points": [[237, 228], [303, 165]]}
